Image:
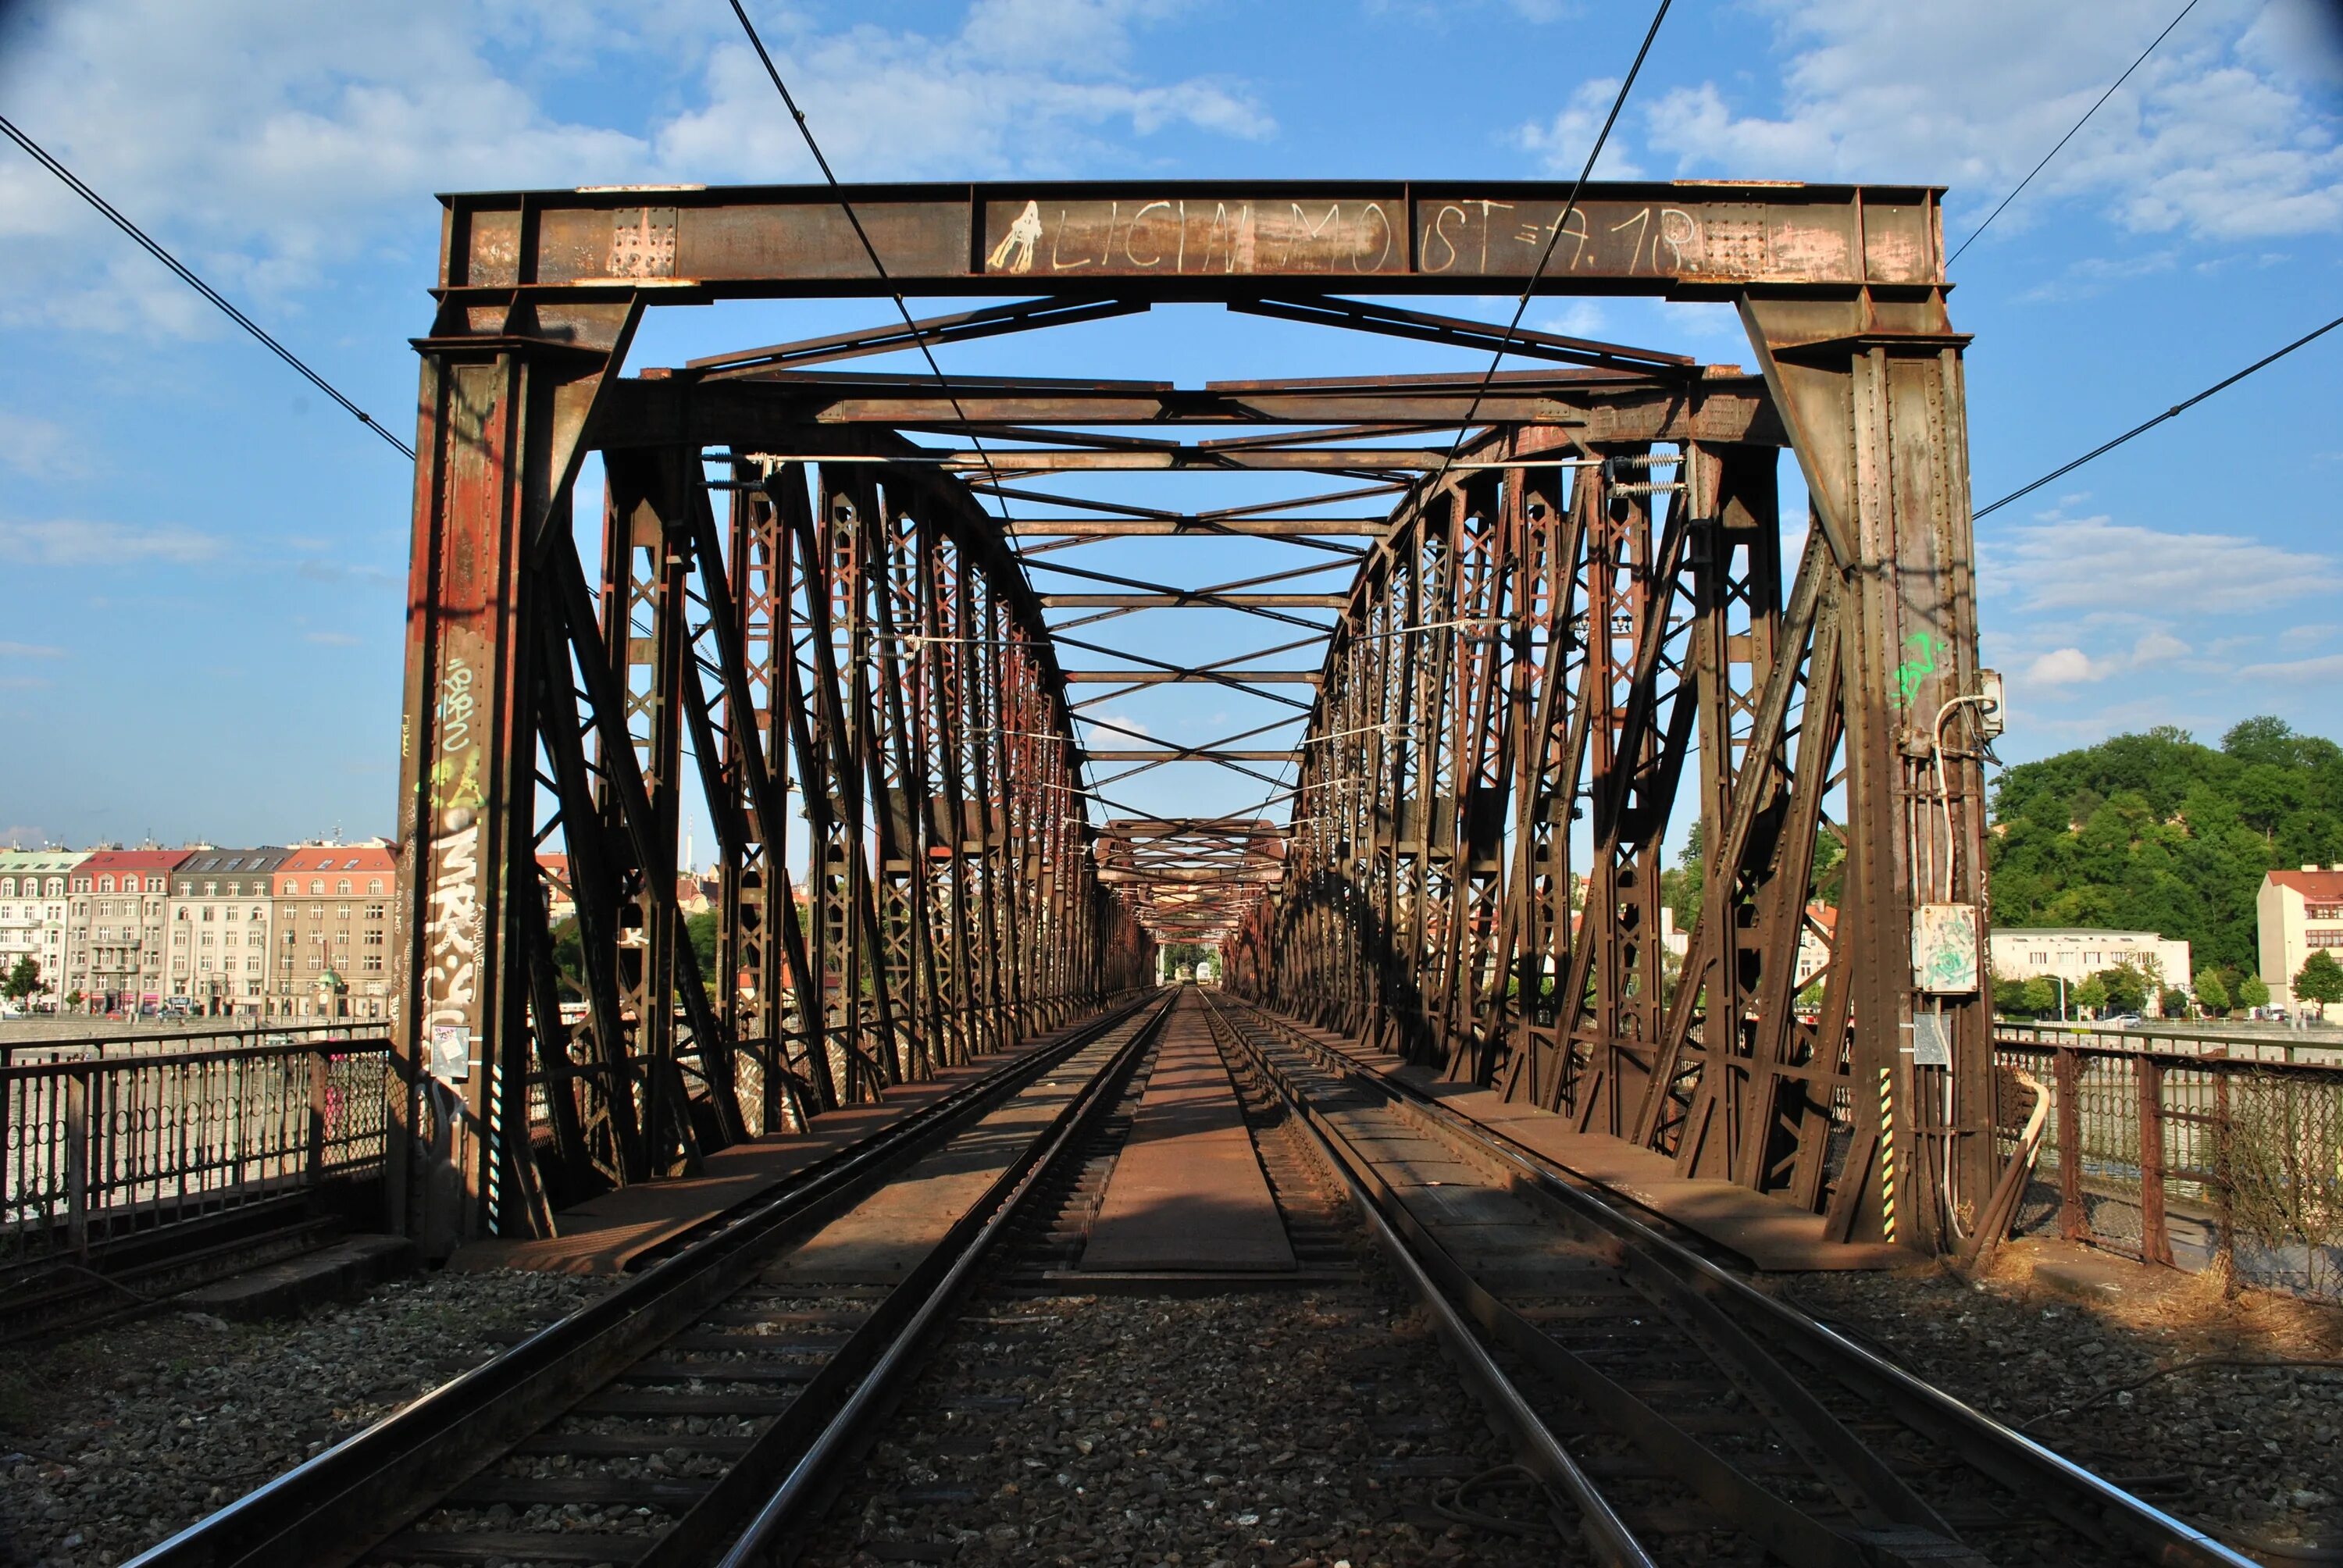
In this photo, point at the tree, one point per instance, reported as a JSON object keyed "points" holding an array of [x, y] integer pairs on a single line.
{"points": [[2253, 993], [2009, 995], [2174, 1003], [24, 982], [2125, 987], [2091, 995], [2320, 980], [2211, 994], [74, 998], [2041, 996]]}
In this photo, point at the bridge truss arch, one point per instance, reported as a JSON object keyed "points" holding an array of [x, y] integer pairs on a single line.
{"points": [[1578, 626]]}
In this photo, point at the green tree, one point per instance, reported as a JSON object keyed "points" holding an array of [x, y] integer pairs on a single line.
{"points": [[2174, 1003], [2252, 992], [2125, 987], [2157, 830], [24, 982], [2320, 980], [2091, 995], [2211, 994], [74, 998], [1681, 884], [2009, 996], [2042, 996]]}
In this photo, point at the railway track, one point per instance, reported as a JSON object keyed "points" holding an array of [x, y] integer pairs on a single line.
{"points": [[696, 1413], [1673, 1413]]}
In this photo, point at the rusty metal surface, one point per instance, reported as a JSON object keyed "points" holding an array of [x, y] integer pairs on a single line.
{"points": [[1192, 239]]}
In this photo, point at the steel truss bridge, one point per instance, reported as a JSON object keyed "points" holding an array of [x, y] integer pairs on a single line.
{"points": [[1566, 621]]}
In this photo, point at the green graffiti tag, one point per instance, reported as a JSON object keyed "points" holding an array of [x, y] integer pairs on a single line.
{"points": [[1925, 651]]}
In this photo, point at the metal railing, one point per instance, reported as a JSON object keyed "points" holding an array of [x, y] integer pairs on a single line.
{"points": [[2187, 1160], [100, 1146], [223, 1036]]}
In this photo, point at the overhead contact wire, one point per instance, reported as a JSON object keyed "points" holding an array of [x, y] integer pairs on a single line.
{"points": [[854, 220], [147, 242], [2177, 409], [2077, 125]]}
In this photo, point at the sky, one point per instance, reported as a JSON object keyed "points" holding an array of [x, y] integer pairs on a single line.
{"points": [[201, 559]]}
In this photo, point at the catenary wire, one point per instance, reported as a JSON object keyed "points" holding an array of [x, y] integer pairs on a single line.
{"points": [[2144, 427], [73, 182], [2077, 125], [1521, 305], [821, 160]]}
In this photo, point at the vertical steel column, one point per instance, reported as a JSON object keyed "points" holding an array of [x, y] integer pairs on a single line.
{"points": [[503, 412], [1870, 388]]}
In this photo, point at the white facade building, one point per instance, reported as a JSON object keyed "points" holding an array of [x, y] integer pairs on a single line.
{"points": [[218, 917], [2074, 954], [2299, 913], [33, 895]]}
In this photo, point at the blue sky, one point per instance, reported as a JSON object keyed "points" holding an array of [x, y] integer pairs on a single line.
{"points": [[202, 561]]}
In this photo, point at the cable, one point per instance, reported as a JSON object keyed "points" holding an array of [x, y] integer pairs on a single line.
{"points": [[2160, 419], [72, 182], [943, 383], [2078, 125], [1521, 305]]}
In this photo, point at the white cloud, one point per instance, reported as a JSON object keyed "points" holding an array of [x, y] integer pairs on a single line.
{"points": [[334, 639], [334, 137], [2215, 134], [2299, 671], [72, 543], [1560, 143], [2088, 564], [30, 650], [36, 447], [2063, 667]]}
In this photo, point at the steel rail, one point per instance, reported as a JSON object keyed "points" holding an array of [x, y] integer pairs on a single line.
{"points": [[1606, 1534], [339, 1503], [936, 1286], [2080, 1498]]}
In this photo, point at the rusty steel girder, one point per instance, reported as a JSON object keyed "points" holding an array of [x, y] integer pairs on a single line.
{"points": [[1568, 628]]}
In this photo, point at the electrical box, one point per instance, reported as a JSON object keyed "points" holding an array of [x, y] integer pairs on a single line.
{"points": [[1990, 711], [1944, 949], [1932, 1042]]}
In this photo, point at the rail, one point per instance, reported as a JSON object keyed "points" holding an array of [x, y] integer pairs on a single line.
{"points": [[2191, 1160], [98, 1147]]}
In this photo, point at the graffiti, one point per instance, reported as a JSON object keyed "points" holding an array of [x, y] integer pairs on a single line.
{"points": [[1926, 650], [1124, 237], [451, 924]]}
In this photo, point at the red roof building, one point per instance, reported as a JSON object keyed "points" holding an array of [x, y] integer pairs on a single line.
{"points": [[333, 923], [114, 928]]}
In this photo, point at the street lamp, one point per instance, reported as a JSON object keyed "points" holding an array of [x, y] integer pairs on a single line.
{"points": [[2062, 997]]}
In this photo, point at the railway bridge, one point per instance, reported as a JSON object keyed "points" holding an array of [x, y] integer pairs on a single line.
{"points": [[1512, 627]]}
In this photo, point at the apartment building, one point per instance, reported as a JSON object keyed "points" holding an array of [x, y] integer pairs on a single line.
{"points": [[332, 930], [2075, 953], [2300, 913], [114, 928], [218, 916], [33, 904]]}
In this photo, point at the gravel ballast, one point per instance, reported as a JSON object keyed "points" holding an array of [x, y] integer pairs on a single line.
{"points": [[1265, 1428], [112, 1441], [2252, 1452]]}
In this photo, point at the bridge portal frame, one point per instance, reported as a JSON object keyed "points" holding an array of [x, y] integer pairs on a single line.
{"points": [[516, 670]]}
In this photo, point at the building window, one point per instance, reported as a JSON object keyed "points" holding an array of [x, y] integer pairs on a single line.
{"points": [[373, 964], [317, 962], [374, 911], [342, 912], [316, 889], [374, 888], [2322, 939], [232, 913], [2309, 911]]}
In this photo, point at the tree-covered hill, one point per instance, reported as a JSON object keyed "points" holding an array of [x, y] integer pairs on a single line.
{"points": [[2156, 832]]}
